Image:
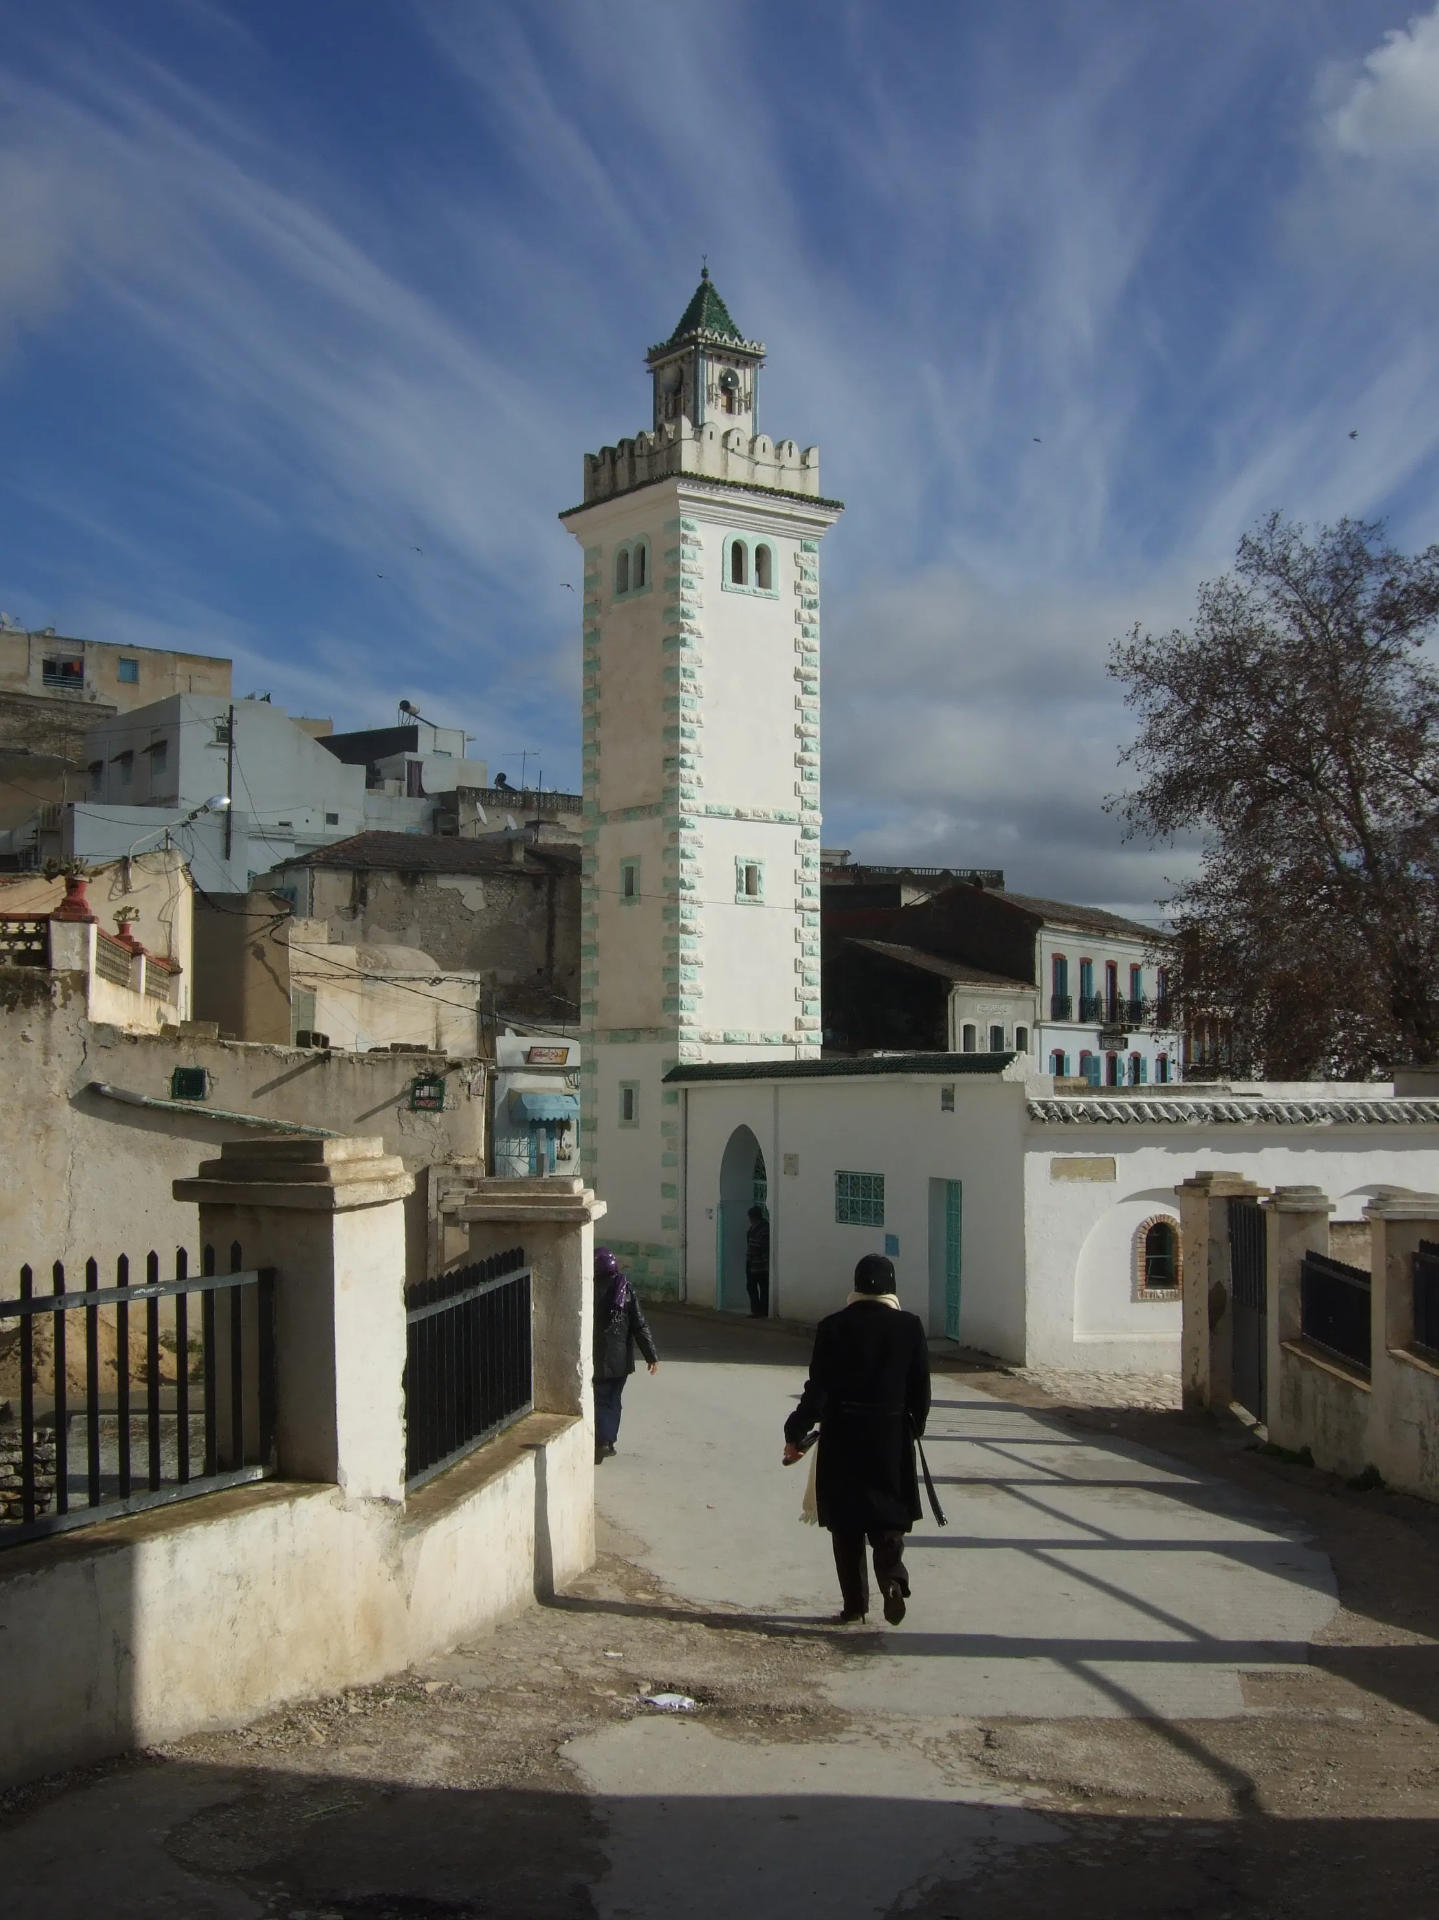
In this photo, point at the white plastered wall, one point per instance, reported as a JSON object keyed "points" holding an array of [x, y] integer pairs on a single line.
{"points": [[1081, 1309], [875, 1124]]}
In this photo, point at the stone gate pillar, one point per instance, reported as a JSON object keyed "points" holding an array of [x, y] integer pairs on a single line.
{"points": [[1207, 1342], [329, 1217], [1296, 1223]]}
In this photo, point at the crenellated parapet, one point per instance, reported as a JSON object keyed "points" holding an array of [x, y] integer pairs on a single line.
{"points": [[710, 452]]}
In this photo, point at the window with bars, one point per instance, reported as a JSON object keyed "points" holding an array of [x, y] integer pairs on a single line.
{"points": [[859, 1199]]}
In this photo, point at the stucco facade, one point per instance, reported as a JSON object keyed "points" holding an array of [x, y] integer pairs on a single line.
{"points": [[700, 919], [1014, 1216]]}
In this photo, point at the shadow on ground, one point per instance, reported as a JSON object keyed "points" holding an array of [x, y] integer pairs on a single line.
{"points": [[222, 1844]]}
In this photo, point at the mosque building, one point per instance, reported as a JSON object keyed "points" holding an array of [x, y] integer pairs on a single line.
{"points": [[1028, 1214]]}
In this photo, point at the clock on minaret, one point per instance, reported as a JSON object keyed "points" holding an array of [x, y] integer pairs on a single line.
{"points": [[706, 371]]}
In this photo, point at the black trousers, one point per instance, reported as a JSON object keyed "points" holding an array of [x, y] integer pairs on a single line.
{"points": [[607, 1410], [888, 1549], [757, 1287]]}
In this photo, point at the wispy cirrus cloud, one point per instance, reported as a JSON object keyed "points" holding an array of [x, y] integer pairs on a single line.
{"points": [[1067, 296]]}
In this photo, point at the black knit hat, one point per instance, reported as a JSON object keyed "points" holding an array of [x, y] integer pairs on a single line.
{"points": [[874, 1274]]}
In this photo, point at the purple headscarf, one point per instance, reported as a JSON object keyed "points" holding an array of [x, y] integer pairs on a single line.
{"points": [[608, 1273]]}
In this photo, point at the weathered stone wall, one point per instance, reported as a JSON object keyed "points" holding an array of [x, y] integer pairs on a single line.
{"points": [[519, 927], [11, 1448], [242, 974], [89, 1175]]}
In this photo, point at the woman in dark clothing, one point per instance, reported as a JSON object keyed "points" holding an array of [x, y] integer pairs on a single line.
{"points": [[620, 1327], [868, 1388]]}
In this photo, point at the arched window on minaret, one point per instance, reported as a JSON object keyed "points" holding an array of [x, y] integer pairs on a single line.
{"points": [[640, 566], [738, 564], [622, 570], [763, 568]]}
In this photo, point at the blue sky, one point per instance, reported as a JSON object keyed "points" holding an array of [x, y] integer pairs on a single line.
{"points": [[1067, 293]]}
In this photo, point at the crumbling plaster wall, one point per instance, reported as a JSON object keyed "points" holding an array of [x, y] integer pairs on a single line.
{"points": [[512, 924], [88, 1175]]}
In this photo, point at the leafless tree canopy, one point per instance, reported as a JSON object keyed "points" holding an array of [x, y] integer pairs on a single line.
{"points": [[1297, 728]]}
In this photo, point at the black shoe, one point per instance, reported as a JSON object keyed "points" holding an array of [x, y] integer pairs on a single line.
{"points": [[600, 1453], [609, 1451], [894, 1603], [850, 1619]]}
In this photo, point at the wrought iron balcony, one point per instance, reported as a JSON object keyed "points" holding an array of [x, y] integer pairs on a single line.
{"points": [[1061, 1006], [1091, 1006]]}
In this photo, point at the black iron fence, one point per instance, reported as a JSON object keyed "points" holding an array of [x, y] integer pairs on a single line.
{"points": [[1334, 1301], [1426, 1297], [468, 1360], [1061, 1006], [141, 1406]]}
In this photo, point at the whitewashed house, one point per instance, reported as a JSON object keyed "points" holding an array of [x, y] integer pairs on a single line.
{"points": [[1034, 1223]]}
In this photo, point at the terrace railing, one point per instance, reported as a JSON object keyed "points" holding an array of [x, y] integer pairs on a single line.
{"points": [[1426, 1297], [1334, 1309], [469, 1368], [127, 1403]]}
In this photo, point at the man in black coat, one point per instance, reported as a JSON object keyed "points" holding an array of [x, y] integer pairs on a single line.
{"points": [[868, 1388]]}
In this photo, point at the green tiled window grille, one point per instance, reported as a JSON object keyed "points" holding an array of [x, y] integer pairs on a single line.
{"points": [[859, 1199]]}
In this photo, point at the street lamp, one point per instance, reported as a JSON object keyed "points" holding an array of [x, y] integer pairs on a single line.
{"points": [[217, 803]]}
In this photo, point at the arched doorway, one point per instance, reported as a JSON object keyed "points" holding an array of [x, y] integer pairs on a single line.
{"points": [[744, 1183]]}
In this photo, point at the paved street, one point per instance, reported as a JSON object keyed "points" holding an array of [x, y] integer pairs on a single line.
{"points": [[1130, 1684], [1076, 1578]]}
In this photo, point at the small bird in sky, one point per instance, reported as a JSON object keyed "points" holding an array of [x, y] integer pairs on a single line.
{"points": [[419, 549], [567, 587], [1354, 433], [1037, 441], [379, 576]]}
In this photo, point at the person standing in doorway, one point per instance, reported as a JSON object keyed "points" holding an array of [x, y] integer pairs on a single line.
{"points": [[756, 1264], [620, 1327], [868, 1389]]}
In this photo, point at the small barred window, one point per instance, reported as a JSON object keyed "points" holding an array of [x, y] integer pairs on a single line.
{"points": [[859, 1199]]}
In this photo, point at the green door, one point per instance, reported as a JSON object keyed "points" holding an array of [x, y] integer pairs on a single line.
{"points": [[953, 1231]]}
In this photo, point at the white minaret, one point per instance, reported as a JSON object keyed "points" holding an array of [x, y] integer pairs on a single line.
{"points": [[700, 927]]}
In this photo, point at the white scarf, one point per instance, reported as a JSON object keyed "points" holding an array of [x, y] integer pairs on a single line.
{"points": [[809, 1508]]}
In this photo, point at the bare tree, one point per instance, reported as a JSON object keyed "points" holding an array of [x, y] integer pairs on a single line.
{"points": [[1297, 729]]}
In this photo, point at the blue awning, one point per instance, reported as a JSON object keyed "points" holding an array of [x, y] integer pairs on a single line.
{"points": [[545, 1106]]}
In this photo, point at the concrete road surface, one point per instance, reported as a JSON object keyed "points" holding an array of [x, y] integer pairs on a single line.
{"points": [[1077, 1577], [1125, 1689]]}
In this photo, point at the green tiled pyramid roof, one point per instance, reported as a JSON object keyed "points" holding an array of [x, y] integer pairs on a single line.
{"points": [[707, 317]]}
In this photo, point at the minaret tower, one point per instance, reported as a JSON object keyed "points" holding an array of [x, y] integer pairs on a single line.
{"points": [[700, 928]]}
